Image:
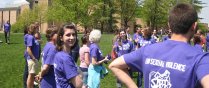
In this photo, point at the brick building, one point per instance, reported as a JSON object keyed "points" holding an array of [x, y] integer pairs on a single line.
{"points": [[11, 9]]}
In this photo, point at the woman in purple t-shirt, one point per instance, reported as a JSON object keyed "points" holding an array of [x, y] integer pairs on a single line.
{"points": [[96, 60], [46, 76], [84, 59], [65, 69]]}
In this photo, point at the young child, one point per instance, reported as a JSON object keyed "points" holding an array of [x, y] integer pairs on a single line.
{"points": [[46, 76], [66, 71], [84, 58]]}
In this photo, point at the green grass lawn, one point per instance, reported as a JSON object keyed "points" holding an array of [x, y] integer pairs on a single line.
{"points": [[12, 61]]}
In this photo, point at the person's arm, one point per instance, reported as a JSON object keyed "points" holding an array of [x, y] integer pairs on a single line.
{"points": [[95, 62], [119, 68], [205, 81], [30, 53], [77, 81], [44, 71], [87, 58]]}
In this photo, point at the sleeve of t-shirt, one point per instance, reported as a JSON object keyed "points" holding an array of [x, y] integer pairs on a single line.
{"points": [[29, 41], [203, 67], [70, 68], [134, 59], [86, 50], [50, 56]]}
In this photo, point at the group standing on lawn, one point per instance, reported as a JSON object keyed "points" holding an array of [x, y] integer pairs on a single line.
{"points": [[173, 63]]}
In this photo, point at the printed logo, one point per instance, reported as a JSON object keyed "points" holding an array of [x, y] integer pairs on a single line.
{"points": [[157, 80], [125, 47]]}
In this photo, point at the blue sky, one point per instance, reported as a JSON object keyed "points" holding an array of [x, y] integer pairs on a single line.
{"points": [[205, 12]]}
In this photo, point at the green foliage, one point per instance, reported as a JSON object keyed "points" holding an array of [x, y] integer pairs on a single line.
{"points": [[29, 16], [155, 12]]}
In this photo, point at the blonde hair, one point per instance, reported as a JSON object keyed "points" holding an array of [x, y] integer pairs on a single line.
{"points": [[95, 36]]}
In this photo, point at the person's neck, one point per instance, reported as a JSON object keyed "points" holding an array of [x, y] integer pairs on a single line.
{"points": [[52, 42], [180, 37], [66, 49], [85, 45]]}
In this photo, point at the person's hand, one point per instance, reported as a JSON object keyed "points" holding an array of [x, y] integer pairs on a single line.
{"points": [[34, 59], [106, 59], [38, 78]]}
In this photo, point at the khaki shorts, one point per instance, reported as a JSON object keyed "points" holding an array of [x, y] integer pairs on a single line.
{"points": [[32, 66]]}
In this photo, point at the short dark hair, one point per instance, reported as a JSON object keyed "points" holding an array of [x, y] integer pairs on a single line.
{"points": [[50, 33], [197, 39], [181, 18], [61, 33]]}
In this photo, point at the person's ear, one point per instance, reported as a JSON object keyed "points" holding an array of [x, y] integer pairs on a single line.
{"points": [[194, 27]]}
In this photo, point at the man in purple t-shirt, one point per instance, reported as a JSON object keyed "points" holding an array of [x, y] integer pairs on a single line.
{"points": [[170, 64], [7, 27]]}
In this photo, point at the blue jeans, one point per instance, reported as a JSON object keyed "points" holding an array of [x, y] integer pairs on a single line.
{"points": [[85, 75]]}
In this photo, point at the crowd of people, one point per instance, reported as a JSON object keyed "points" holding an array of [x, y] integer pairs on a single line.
{"points": [[170, 62]]}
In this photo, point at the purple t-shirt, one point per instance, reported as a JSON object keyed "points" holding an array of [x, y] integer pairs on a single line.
{"points": [[170, 64], [143, 42], [207, 41], [7, 27], [95, 52], [29, 41], [64, 69], [48, 53], [199, 47], [126, 47], [135, 36]]}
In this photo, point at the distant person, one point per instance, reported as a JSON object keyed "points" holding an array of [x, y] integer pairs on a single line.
{"points": [[170, 64], [127, 30], [137, 37], [65, 68], [31, 55], [121, 47], [46, 75], [207, 41], [7, 28], [203, 39], [84, 59], [155, 36], [197, 42]]}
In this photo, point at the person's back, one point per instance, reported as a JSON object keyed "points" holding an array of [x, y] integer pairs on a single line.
{"points": [[164, 67]]}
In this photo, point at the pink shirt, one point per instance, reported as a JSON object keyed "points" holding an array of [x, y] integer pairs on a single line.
{"points": [[84, 49]]}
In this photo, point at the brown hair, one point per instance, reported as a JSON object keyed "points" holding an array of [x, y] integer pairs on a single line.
{"points": [[50, 33], [196, 39], [147, 33], [31, 29]]}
